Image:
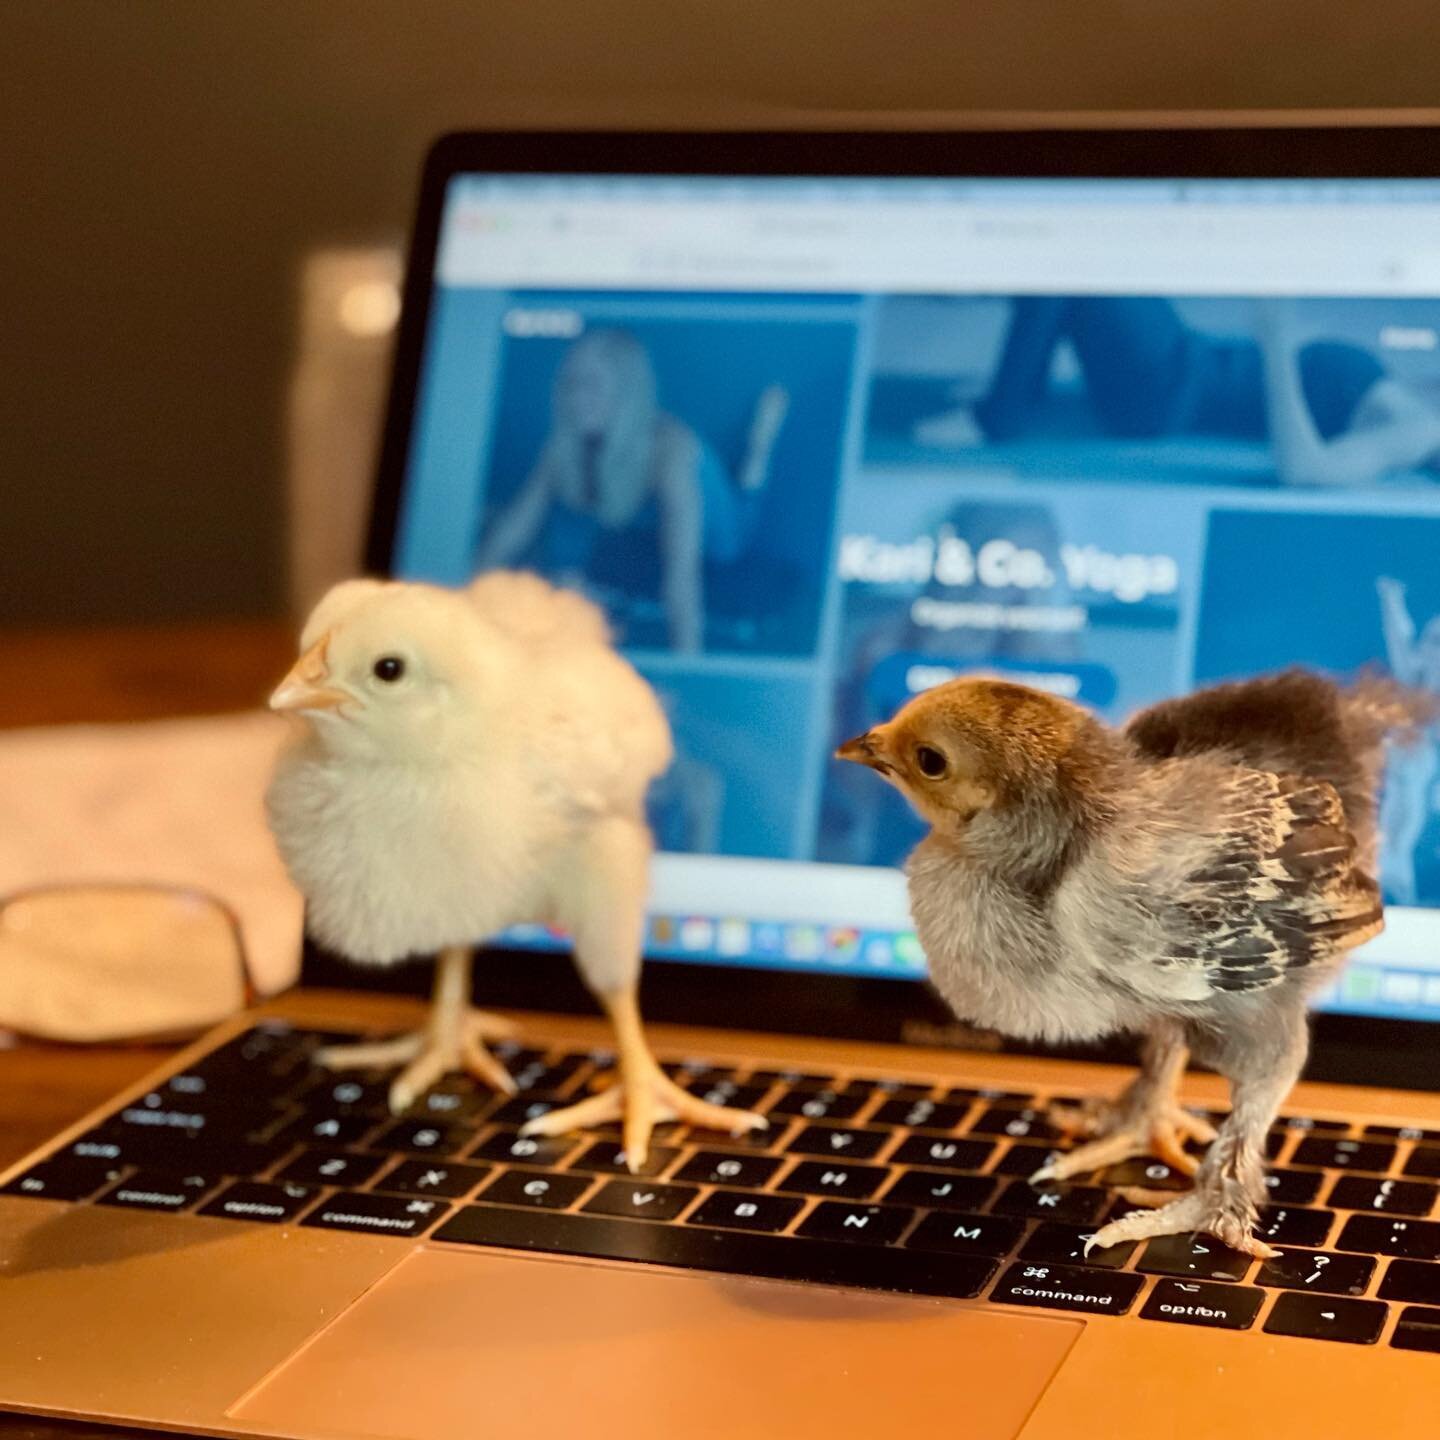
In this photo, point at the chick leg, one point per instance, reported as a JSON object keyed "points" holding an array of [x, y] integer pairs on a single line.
{"points": [[1145, 1119], [603, 907], [1231, 1180], [453, 1039]]}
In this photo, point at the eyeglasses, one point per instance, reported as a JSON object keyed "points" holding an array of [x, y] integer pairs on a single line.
{"points": [[107, 963]]}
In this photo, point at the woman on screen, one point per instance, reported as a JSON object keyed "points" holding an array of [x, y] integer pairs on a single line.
{"points": [[614, 463], [1330, 408], [1410, 770]]}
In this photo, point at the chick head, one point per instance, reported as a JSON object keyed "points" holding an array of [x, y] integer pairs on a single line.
{"points": [[971, 745], [393, 668]]}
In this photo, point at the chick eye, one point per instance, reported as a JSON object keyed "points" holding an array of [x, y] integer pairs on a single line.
{"points": [[388, 668], [930, 761]]}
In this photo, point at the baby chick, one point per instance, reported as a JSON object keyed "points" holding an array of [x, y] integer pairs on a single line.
{"points": [[471, 760], [1192, 878]]}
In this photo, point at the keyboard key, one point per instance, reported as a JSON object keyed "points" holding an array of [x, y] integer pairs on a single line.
{"points": [[1194, 1302], [1417, 1329], [1148, 1174], [696, 1247], [1424, 1161], [728, 1092], [818, 1177], [1318, 1270], [818, 1105], [943, 1154], [155, 1190], [833, 1142], [422, 1137], [455, 1099], [335, 1129], [1067, 1287], [858, 1224], [715, 1167], [1408, 1239], [1075, 1204], [269, 1204], [346, 1094], [523, 1108], [1292, 1187], [1386, 1197], [377, 1214], [166, 1149], [640, 1201], [178, 1119], [608, 1159], [1027, 1124], [535, 1188], [1066, 1244], [1311, 1317], [1411, 1280], [1022, 1161], [437, 1177], [65, 1178], [1192, 1256], [1372, 1155], [1319, 1127], [536, 1150], [538, 1074], [331, 1167], [769, 1138], [940, 1190], [966, 1234], [1017, 1098], [734, 1209], [893, 1089], [1401, 1132], [1293, 1225], [920, 1114]]}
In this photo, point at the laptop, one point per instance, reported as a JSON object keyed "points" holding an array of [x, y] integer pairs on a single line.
{"points": [[1110, 413]]}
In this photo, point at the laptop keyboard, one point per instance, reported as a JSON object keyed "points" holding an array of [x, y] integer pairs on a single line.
{"points": [[882, 1184]]}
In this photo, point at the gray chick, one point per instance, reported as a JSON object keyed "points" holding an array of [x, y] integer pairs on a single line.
{"points": [[1192, 878]]}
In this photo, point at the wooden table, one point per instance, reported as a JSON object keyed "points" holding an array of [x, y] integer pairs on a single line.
{"points": [[131, 673]]}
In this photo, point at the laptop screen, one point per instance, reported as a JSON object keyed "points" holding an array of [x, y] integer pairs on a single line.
{"points": [[817, 444]]}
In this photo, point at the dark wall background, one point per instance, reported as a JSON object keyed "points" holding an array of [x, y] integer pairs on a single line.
{"points": [[164, 165]]}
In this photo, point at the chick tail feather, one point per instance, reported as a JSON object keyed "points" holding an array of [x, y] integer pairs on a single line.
{"points": [[1377, 707]]}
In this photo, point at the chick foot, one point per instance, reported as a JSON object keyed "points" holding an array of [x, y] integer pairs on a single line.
{"points": [[453, 1040], [1159, 1129], [448, 1045], [644, 1096], [1213, 1208], [640, 1105]]}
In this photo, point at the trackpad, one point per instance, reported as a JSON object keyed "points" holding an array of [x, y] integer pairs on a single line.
{"points": [[471, 1345]]}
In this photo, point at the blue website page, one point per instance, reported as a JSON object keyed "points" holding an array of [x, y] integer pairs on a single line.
{"points": [[816, 446]]}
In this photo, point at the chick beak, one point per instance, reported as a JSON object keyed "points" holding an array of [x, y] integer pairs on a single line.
{"points": [[863, 750], [305, 687]]}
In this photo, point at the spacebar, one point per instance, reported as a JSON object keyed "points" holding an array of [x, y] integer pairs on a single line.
{"points": [[692, 1247]]}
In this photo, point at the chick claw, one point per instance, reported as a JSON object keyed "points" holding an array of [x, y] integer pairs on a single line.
{"points": [[640, 1106], [1159, 1131]]}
